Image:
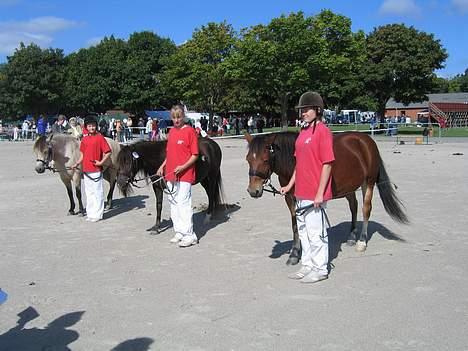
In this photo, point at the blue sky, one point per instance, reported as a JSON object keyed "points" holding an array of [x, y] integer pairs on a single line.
{"points": [[72, 25]]}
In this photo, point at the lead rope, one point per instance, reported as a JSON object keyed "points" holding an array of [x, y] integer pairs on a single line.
{"points": [[301, 211]]}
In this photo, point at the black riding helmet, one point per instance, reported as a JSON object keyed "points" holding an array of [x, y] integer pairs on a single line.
{"points": [[90, 119], [310, 99]]}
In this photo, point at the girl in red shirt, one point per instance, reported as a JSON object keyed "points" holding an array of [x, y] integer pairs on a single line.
{"points": [[312, 181], [179, 172], [94, 151]]}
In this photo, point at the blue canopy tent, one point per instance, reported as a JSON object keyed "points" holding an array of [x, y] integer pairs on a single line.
{"points": [[161, 115]]}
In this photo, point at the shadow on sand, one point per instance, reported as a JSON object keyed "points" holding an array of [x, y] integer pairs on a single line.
{"points": [[125, 204], [55, 336], [201, 227], [137, 344], [337, 235]]}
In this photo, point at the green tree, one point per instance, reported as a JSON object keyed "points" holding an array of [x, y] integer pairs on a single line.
{"points": [[32, 80], [196, 72], [94, 76], [141, 88], [400, 63], [464, 81], [293, 54]]}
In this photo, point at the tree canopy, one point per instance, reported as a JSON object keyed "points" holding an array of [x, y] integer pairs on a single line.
{"points": [[400, 63], [263, 68]]}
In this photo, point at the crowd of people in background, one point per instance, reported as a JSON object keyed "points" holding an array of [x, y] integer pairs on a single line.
{"points": [[126, 129]]}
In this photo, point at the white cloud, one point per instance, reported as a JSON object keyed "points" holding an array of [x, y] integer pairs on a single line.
{"points": [[38, 30], [93, 41], [400, 8], [461, 5]]}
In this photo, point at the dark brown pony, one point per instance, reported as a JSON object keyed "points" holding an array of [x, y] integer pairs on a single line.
{"points": [[145, 157], [357, 164]]}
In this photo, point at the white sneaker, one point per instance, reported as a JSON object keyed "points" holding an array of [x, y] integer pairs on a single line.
{"points": [[187, 241], [94, 220], [176, 238], [314, 277], [301, 273]]}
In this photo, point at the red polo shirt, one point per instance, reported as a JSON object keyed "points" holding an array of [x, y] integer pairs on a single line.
{"points": [[313, 150], [93, 148], [182, 143]]}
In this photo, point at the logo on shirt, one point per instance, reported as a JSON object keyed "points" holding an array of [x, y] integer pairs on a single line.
{"points": [[180, 142], [308, 140]]}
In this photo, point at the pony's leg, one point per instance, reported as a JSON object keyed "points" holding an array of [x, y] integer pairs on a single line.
{"points": [[209, 189], [67, 181], [158, 192], [295, 254], [353, 205], [367, 191], [71, 211], [80, 202], [112, 181]]}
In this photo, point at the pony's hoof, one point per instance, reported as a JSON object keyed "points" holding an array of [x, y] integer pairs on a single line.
{"points": [[361, 246], [292, 261], [81, 214], [351, 242], [154, 230]]}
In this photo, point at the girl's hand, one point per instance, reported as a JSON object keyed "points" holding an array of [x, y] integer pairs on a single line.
{"points": [[178, 170], [160, 171], [318, 201], [285, 189]]}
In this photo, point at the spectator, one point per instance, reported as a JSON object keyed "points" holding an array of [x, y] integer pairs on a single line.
{"points": [[103, 127], [59, 126], [41, 126], [149, 127], [162, 129], [141, 128], [16, 133], [129, 128], [260, 125], [75, 128], [25, 129]]}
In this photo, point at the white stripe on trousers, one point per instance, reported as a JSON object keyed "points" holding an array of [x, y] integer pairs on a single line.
{"points": [[314, 238], [94, 195], [181, 208]]}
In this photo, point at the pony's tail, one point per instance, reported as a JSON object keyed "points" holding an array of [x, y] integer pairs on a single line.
{"points": [[391, 202], [218, 196]]}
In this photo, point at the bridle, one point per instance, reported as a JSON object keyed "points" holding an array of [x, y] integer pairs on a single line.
{"points": [[46, 162], [266, 176], [149, 179]]}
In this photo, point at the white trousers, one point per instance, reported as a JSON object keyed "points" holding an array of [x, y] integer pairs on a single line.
{"points": [[94, 195], [312, 228], [181, 208]]}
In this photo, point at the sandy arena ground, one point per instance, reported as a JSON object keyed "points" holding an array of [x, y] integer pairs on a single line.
{"points": [[75, 285]]}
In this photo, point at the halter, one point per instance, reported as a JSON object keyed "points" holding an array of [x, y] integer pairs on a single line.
{"points": [[267, 176], [133, 182], [49, 158]]}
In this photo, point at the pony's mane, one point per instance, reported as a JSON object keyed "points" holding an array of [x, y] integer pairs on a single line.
{"points": [[149, 155], [39, 144], [284, 144]]}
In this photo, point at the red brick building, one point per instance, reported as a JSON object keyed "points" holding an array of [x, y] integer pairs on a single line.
{"points": [[449, 109]]}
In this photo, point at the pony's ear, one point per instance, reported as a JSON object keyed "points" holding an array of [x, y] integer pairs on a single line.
{"points": [[248, 137]]}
